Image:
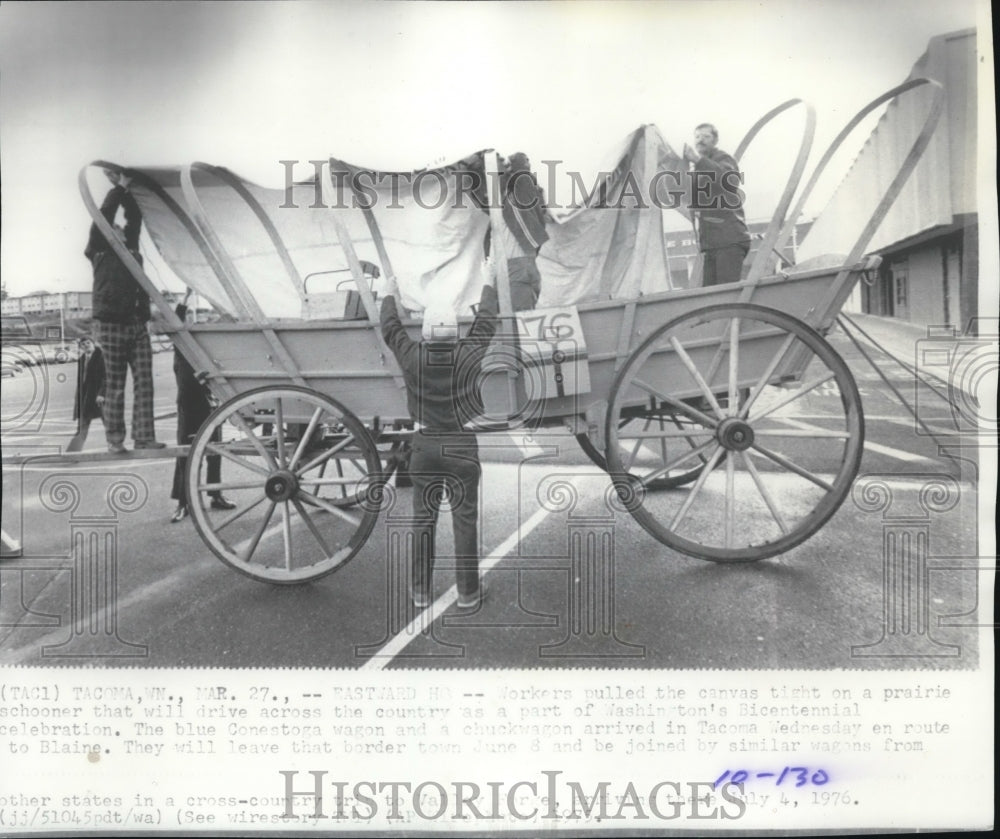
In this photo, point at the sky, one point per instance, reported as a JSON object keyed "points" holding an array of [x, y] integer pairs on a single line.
{"points": [[400, 86]]}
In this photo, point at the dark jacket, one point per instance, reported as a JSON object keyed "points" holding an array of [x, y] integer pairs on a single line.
{"points": [[440, 376], [89, 385], [118, 298], [523, 207], [193, 404], [718, 201]]}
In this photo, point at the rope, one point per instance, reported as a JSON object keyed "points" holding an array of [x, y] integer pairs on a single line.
{"points": [[902, 399], [911, 370]]}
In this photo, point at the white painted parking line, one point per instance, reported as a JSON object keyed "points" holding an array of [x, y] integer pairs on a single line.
{"points": [[527, 446], [877, 448], [898, 454], [179, 580], [395, 645], [909, 422], [174, 582]]}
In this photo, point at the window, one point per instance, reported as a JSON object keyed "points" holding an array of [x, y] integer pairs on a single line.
{"points": [[900, 286]]}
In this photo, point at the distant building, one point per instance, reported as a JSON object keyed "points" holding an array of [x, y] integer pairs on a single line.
{"points": [[929, 241], [682, 249], [73, 304]]}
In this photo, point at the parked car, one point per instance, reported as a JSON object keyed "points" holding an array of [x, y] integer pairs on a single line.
{"points": [[47, 347]]}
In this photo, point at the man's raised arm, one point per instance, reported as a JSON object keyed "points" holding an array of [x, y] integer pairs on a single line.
{"points": [[393, 332]]}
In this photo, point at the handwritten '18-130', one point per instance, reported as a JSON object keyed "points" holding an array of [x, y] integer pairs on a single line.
{"points": [[801, 775]]}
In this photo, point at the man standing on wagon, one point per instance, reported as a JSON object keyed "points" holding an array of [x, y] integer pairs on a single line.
{"points": [[121, 311], [523, 231], [441, 374], [717, 202]]}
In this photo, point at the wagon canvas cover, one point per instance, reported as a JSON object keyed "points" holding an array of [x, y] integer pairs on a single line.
{"points": [[432, 223]]}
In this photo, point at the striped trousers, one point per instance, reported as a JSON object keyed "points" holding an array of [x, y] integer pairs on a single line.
{"points": [[126, 346]]}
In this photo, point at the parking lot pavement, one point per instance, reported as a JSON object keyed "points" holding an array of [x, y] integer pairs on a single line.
{"points": [[572, 580]]}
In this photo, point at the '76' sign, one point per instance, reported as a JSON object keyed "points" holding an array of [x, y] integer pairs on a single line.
{"points": [[552, 342]]}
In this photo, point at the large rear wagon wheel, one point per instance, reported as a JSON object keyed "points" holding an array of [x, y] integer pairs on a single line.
{"points": [[639, 454], [277, 446], [780, 460], [392, 452]]}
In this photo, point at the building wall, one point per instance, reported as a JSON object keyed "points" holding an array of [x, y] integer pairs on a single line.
{"points": [[937, 207], [943, 183], [72, 303], [936, 292], [969, 288], [926, 292]]}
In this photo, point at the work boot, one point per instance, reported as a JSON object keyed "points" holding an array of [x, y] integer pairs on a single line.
{"points": [[220, 502]]}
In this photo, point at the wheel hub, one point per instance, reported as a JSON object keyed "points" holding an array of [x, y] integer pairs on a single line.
{"points": [[735, 434], [281, 485]]}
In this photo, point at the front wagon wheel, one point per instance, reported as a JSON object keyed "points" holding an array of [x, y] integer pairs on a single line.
{"points": [[770, 409], [275, 447]]}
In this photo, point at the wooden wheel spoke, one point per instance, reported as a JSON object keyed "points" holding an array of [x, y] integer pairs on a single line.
{"points": [[253, 438], [677, 404], [798, 393], [228, 485], [664, 470], [255, 540], [279, 427], [781, 460], [730, 500], [286, 534], [765, 377], [663, 442], [216, 448], [734, 366], [340, 474], [687, 435], [755, 475], [636, 447], [810, 433], [325, 456], [666, 434], [344, 481], [312, 527], [239, 514], [319, 502], [713, 368], [306, 436], [683, 511], [693, 370]]}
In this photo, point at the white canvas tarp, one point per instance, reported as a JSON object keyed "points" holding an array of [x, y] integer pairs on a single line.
{"points": [[432, 223]]}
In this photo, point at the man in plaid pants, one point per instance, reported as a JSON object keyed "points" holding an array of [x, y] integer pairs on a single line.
{"points": [[121, 312]]}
